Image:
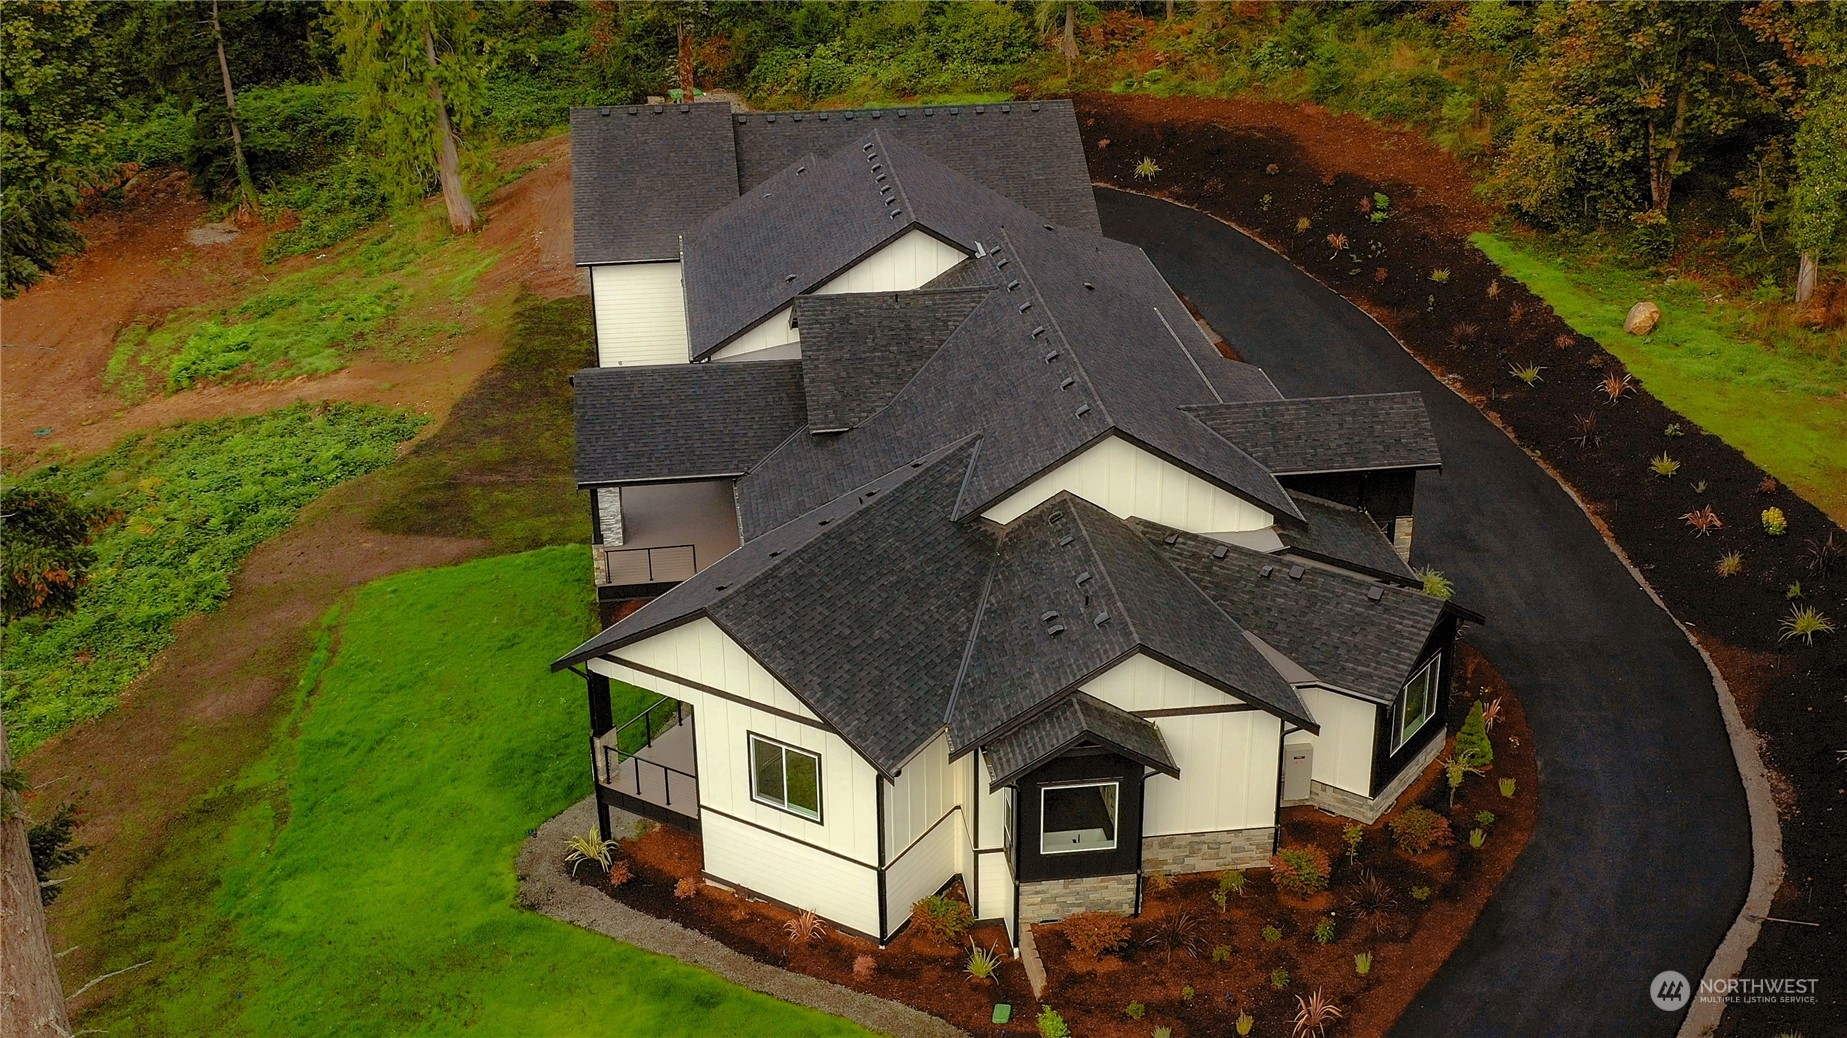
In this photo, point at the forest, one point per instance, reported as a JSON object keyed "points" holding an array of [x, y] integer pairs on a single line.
{"points": [[1709, 135]]}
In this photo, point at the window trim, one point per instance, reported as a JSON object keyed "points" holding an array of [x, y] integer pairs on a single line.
{"points": [[750, 756], [1115, 839], [1400, 736]]}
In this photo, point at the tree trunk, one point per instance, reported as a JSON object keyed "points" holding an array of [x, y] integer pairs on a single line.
{"points": [[246, 189], [1661, 166], [686, 64], [1170, 10], [462, 215], [1069, 44], [31, 998], [1805, 276]]}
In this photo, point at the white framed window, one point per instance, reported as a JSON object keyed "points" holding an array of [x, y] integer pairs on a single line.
{"points": [[1417, 702], [1078, 817], [785, 777]]}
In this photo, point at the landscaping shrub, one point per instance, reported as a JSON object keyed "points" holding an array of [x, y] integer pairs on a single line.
{"points": [[944, 918], [1051, 1025], [1473, 738], [1418, 829], [1096, 933], [1300, 870]]}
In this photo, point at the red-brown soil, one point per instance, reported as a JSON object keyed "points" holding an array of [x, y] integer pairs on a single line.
{"points": [[1093, 994], [1262, 170]]}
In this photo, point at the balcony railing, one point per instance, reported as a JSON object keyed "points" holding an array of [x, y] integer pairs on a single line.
{"points": [[629, 567], [628, 758]]}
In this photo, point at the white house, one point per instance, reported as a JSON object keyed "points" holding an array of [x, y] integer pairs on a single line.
{"points": [[950, 543]]}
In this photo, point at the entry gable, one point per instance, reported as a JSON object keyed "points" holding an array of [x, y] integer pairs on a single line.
{"points": [[1128, 481]]}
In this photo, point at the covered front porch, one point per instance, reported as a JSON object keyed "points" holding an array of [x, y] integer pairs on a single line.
{"points": [[647, 765]]}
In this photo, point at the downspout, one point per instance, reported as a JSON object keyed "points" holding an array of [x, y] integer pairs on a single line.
{"points": [[878, 790]]}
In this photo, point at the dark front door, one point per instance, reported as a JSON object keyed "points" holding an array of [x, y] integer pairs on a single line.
{"points": [[1080, 815]]}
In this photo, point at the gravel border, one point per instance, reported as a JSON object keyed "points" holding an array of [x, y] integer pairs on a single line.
{"points": [[546, 887]]}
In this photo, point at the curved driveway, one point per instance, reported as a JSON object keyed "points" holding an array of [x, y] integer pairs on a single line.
{"points": [[1641, 855]]}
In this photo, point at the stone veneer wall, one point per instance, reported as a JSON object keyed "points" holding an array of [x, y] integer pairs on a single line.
{"points": [[1368, 809], [1208, 852], [1044, 900]]}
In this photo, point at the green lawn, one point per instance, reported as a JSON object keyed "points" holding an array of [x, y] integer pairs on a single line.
{"points": [[1781, 399], [360, 879], [193, 500]]}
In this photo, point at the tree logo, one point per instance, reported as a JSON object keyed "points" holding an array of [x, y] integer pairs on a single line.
{"points": [[1669, 991]]}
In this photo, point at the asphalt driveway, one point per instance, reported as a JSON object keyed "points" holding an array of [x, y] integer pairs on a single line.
{"points": [[1641, 856]]}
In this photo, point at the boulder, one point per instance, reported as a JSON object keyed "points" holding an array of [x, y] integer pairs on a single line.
{"points": [[1642, 318]]}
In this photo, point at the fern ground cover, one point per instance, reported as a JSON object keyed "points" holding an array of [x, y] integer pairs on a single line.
{"points": [[359, 879], [193, 501]]}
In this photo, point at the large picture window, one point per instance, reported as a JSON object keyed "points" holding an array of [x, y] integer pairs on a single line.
{"points": [[1077, 818], [785, 777], [1417, 703]]}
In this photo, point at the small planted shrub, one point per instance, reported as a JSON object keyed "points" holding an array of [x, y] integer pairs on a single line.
{"points": [[1507, 788], [864, 966], [1459, 766], [1729, 565], [1180, 933], [1362, 963], [1477, 837], [1673, 429], [943, 918], [802, 929], [588, 846], [1301, 224], [1160, 882], [1527, 373], [1494, 288], [1222, 953], [1187, 993], [1775, 523], [1050, 1024], [1381, 208], [619, 874], [1163, 1032], [1420, 893], [1313, 1015], [1354, 835], [1300, 870], [1338, 242], [1146, 168], [1232, 880], [1485, 818], [1418, 829], [1436, 585], [1793, 591], [1245, 1022], [1372, 903], [1664, 466], [1703, 520], [1614, 386], [1699, 486], [1805, 622], [1096, 933], [685, 888], [1587, 436], [1440, 275], [982, 964], [1324, 930], [1819, 557], [1768, 485], [1220, 898], [1272, 933], [1473, 736], [1279, 978], [1490, 714]]}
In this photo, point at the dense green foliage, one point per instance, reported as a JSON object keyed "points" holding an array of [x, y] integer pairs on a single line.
{"points": [[359, 880], [1472, 739], [194, 500], [45, 550]]}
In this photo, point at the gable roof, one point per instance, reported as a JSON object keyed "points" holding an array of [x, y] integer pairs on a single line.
{"points": [[651, 423], [1345, 536], [642, 174], [1329, 434], [1075, 720], [859, 350], [1356, 634]]}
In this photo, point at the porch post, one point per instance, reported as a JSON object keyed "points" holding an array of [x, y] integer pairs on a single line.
{"points": [[601, 720]]}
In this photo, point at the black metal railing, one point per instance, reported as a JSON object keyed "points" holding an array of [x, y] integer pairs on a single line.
{"points": [[622, 745], [667, 564]]}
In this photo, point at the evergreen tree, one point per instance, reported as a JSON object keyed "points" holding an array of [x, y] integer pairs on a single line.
{"points": [[1472, 741]]}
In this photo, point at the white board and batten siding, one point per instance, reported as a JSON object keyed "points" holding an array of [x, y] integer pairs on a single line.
{"points": [[993, 873], [640, 314], [909, 261], [927, 835], [1127, 481], [1343, 750], [830, 865], [1228, 760]]}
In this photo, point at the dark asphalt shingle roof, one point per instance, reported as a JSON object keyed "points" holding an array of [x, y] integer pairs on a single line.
{"points": [[1327, 622], [1030, 152], [859, 350], [1069, 723], [642, 174], [650, 423], [1341, 533], [1329, 434]]}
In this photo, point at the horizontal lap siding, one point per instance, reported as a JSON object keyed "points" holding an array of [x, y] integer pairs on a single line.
{"points": [[1128, 482], [1344, 749], [838, 890], [640, 314]]}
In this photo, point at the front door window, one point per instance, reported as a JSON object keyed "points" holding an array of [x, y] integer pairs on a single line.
{"points": [[1077, 818]]}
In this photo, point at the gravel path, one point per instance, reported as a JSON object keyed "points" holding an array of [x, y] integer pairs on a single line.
{"points": [[546, 887]]}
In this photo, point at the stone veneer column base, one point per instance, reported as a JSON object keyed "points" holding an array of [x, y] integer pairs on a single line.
{"points": [[1208, 852], [1042, 901]]}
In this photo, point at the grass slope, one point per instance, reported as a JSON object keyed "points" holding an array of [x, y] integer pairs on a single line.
{"points": [[359, 880], [194, 500], [1784, 407]]}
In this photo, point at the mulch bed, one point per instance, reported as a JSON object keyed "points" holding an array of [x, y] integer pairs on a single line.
{"points": [[927, 973], [1264, 167]]}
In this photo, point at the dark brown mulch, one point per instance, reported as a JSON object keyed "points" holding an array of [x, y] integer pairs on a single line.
{"points": [[1262, 171]]}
